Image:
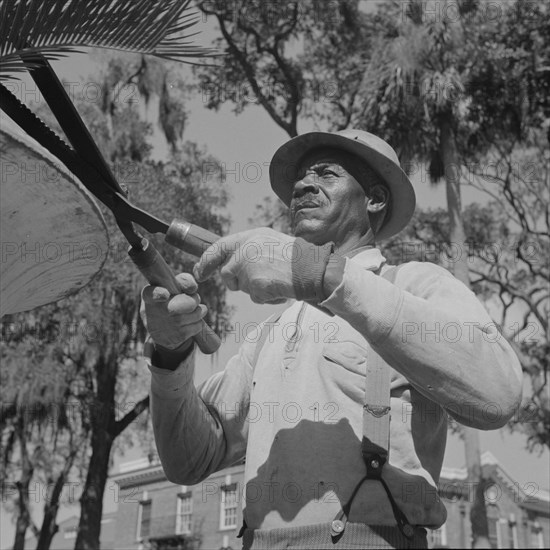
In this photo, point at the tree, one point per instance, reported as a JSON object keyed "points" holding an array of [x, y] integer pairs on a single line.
{"points": [[256, 68], [41, 420], [512, 266]]}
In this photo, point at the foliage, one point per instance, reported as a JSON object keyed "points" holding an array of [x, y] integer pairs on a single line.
{"points": [[44, 433], [516, 272], [259, 66], [56, 28]]}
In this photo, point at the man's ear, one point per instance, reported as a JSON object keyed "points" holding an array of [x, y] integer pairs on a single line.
{"points": [[376, 205], [377, 199]]}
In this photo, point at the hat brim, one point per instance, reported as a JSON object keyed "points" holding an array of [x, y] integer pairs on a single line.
{"points": [[284, 166]]}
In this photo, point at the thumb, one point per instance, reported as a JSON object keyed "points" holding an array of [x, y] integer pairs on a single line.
{"points": [[155, 294]]}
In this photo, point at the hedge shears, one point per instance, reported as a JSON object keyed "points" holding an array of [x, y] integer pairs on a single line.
{"points": [[85, 160]]}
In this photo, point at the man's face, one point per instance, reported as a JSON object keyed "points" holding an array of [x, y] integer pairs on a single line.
{"points": [[328, 203]]}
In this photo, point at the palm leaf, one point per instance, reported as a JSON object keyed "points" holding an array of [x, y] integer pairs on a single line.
{"points": [[55, 28]]}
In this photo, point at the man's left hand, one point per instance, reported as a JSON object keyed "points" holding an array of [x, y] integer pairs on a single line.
{"points": [[258, 262]]}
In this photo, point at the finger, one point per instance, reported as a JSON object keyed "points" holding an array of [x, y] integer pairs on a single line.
{"points": [[193, 329], [155, 294], [196, 315], [187, 283], [214, 256], [276, 301], [229, 278], [182, 304], [256, 299]]}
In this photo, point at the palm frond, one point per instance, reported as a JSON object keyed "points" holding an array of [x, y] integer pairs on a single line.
{"points": [[56, 28]]}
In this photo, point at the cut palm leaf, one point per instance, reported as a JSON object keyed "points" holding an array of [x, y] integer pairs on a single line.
{"points": [[56, 28]]}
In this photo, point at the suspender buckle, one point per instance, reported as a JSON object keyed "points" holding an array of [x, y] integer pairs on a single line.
{"points": [[377, 411], [374, 462]]}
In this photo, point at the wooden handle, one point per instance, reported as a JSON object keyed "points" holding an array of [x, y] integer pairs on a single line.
{"points": [[158, 272], [189, 237]]}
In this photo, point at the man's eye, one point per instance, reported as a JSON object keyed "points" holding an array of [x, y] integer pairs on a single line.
{"points": [[326, 172]]}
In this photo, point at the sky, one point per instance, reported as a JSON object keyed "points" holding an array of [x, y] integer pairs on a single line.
{"points": [[244, 145]]}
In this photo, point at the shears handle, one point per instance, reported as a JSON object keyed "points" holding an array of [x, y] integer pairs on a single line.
{"points": [[190, 238], [158, 272]]}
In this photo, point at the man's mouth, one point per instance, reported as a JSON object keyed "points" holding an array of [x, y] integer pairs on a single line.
{"points": [[305, 206]]}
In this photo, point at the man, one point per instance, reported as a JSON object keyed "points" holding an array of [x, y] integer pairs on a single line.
{"points": [[308, 450]]}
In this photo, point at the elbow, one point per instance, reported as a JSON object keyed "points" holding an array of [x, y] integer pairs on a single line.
{"points": [[491, 415], [503, 399], [186, 467], [506, 396], [494, 417], [178, 474], [508, 406]]}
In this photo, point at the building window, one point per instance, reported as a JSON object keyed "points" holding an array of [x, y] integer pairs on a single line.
{"points": [[493, 521], [438, 537], [503, 534], [144, 519], [512, 532], [505, 531], [184, 513], [228, 518]]}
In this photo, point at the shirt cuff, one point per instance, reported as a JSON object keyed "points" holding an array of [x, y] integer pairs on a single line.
{"points": [[366, 300]]}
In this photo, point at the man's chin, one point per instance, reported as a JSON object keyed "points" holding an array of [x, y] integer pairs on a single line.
{"points": [[311, 230]]}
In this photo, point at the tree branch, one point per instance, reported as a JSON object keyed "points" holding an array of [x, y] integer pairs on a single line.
{"points": [[251, 77], [124, 422]]}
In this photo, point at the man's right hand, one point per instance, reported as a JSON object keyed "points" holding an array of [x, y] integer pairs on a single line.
{"points": [[172, 321]]}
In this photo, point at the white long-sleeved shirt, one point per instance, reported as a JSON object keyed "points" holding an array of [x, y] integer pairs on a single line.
{"points": [[296, 414]]}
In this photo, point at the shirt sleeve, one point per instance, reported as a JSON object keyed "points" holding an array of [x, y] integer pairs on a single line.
{"points": [[201, 430], [432, 329]]}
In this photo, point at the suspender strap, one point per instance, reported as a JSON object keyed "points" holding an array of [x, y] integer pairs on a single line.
{"points": [[376, 411], [376, 430], [376, 414], [376, 442], [376, 435]]}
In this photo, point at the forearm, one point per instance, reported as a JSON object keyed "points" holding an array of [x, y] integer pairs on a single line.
{"points": [[441, 340], [189, 438]]}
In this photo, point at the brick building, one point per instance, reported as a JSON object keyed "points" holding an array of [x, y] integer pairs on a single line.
{"points": [[154, 513]]}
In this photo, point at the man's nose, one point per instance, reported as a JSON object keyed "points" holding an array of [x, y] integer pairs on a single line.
{"points": [[307, 184]]}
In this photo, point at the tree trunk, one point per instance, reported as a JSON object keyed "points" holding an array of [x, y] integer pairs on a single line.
{"points": [[103, 430], [23, 517], [91, 501], [49, 526], [458, 256], [457, 236]]}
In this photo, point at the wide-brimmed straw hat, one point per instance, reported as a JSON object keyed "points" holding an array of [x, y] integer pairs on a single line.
{"points": [[375, 152]]}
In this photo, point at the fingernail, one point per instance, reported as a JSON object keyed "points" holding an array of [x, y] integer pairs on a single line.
{"points": [[160, 297]]}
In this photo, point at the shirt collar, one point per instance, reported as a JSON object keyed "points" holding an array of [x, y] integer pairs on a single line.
{"points": [[367, 257]]}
